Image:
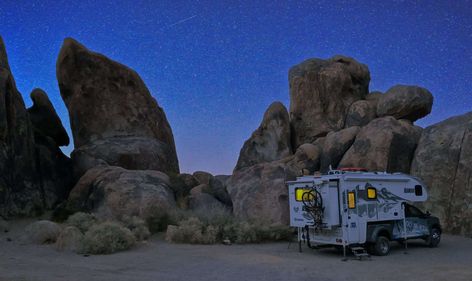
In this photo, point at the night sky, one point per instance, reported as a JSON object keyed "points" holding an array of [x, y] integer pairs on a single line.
{"points": [[215, 66]]}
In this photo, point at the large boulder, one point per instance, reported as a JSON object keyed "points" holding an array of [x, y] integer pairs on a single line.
{"points": [[306, 159], [213, 186], [202, 177], [259, 192], [405, 102], [443, 159], [133, 153], [45, 120], [20, 190], [271, 141], [116, 193], [111, 109], [200, 199], [335, 145], [321, 93], [385, 144], [361, 113]]}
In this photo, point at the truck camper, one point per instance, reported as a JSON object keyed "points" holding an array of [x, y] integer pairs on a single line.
{"points": [[362, 211]]}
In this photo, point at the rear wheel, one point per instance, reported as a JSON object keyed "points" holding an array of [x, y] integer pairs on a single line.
{"points": [[434, 238], [381, 246]]}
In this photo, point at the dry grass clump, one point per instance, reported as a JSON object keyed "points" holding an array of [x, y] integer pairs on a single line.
{"points": [[192, 231], [214, 224], [82, 221], [138, 227], [70, 239], [107, 238]]}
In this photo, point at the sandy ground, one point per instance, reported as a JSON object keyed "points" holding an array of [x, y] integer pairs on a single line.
{"points": [[159, 260]]}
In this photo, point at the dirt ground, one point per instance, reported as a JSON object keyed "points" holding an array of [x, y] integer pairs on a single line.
{"points": [[159, 260]]}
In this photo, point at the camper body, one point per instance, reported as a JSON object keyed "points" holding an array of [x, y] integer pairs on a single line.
{"points": [[345, 208]]}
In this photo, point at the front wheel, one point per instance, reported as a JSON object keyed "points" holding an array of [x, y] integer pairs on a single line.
{"points": [[381, 246], [434, 238]]}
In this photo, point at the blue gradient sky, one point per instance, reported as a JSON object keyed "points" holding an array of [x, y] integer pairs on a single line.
{"points": [[215, 66]]}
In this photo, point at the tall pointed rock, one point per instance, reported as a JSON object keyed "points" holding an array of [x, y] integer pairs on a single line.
{"points": [[20, 191], [114, 119]]}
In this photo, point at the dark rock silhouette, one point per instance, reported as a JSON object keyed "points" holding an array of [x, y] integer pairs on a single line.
{"points": [[45, 120], [20, 190], [35, 174]]}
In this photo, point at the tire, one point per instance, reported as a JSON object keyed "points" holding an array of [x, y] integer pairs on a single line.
{"points": [[381, 246], [434, 238]]}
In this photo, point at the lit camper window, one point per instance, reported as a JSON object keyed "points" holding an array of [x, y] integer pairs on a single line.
{"points": [[351, 200], [299, 194], [371, 193]]}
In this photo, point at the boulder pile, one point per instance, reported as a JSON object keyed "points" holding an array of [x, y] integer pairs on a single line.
{"points": [[334, 123], [124, 163]]}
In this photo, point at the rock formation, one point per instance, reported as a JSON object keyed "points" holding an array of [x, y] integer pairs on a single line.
{"points": [[20, 191], [334, 122], [259, 192], [45, 120], [271, 141], [54, 167], [361, 113], [335, 146], [35, 174], [321, 93], [113, 192], [405, 102], [114, 118], [385, 144], [443, 160]]}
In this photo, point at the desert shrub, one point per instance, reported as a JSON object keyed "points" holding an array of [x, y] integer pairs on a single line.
{"points": [[158, 218], [216, 215], [255, 232], [70, 239], [107, 238], [246, 233], [42, 232], [192, 231], [275, 233], [82, 221], [138, 227]]}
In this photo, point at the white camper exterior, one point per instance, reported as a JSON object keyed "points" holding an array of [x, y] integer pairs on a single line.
{"points": [[347, 208]]}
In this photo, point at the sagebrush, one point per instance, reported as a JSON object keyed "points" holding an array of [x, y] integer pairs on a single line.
{"points": [[107, 238]]}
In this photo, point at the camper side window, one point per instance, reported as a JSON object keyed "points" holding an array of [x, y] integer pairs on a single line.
{"points": [[418, 190]]}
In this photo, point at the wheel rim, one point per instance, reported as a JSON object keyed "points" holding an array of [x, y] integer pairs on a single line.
{"points": [[384, 246], [436, 236]]}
